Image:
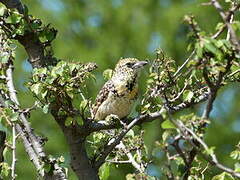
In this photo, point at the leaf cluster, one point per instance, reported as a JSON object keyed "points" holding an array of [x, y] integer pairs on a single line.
{"points": [[59, 85], [16, 25]]}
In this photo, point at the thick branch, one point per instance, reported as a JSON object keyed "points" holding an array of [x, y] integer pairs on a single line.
{"points": [[34, 49], [2, 145], [80, 162]]}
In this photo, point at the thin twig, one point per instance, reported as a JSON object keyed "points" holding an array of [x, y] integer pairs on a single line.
{"points": [[14, 160], [130, 157], [184, 64], [233, 73], [119, 162]]}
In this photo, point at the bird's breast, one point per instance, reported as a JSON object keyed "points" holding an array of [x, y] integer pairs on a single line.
{"points": [[117, 105]]}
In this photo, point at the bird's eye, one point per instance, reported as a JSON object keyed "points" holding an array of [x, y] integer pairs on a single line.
{"points": [[129, 64]]}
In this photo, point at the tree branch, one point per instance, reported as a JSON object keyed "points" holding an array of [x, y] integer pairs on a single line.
{"points": [[108, 149], [80, 162], [233, 37], [2, 145], [211, 158], [131, 158], [34, 49], [14, 160], [31, 142]]}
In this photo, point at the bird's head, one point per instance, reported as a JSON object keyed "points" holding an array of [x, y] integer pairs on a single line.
{"points": [[129, 65]]}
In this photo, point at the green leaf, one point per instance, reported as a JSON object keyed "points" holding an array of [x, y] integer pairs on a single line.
{"points": [[5, 169], [188, 95], [199, 50], [2, 128], [130, 133], [104, 171], [237, 167], [44, 94], [168, 125], [20, 30], [47, 167], [68, 121], [191, 63], [14, 116], [47, 34], [210, 46], [70, 94], [219, 26], [235, 155], [166, 134], [219, 68], [79, 120], [36, 88], [223, 176], [50, 35], [14, 18], [107, 74], [83, 104], [61, 159], [45, 108], [2, 10], [210, 150], [4, 57]]}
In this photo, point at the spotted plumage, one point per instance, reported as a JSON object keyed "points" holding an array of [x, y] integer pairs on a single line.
{"points": [[119, 93]]}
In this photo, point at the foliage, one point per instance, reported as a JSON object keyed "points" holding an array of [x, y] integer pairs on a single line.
{"points": [[64, 81]]}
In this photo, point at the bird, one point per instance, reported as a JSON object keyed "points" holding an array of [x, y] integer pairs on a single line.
{"points": [[119, 93]]}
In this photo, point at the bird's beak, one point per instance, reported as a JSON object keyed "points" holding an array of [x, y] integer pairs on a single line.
{"points": [[139, 64]]}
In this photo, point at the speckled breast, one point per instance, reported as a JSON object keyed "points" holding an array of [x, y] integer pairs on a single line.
{"points": [[120, 106]]}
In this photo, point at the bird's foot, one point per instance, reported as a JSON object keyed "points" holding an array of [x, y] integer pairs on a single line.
{"points": [[112, 118]]}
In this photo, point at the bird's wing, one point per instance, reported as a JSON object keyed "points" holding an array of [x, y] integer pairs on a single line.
{"points": [[102, 96]]}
